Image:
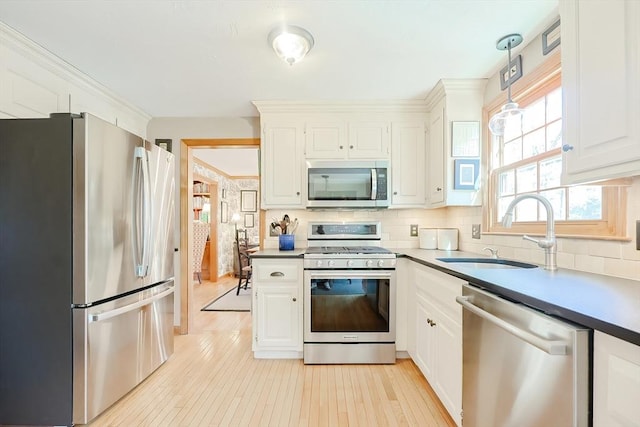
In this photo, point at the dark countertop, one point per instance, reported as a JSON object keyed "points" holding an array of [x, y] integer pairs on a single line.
{"points": [[276, 253], [605, 303]]}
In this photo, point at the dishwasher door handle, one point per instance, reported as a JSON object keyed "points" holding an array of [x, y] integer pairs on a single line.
{"points": [[548, 346]]}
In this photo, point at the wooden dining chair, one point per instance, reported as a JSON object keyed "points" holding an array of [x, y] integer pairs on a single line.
{"points": [[244, 260]]}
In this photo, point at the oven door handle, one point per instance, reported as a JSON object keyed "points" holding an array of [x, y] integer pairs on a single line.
{"points": [[339, 274]]}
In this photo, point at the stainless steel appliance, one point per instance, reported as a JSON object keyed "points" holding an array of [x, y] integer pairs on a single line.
{"points": [[521, 367], [348, 184], [86, 266], [349, 295]]}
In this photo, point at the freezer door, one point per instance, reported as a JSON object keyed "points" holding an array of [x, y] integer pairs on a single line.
{"points": [[105, 173], [118, 344], [162, 199]]}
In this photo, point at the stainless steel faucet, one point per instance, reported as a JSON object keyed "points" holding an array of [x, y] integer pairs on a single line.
{"points": [[549, 242]]}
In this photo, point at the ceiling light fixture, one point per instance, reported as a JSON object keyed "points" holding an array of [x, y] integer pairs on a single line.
{"points": [[291, 43], [510, 110]]}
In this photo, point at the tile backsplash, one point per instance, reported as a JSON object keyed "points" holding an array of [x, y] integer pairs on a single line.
{"points": [[613, 258]]}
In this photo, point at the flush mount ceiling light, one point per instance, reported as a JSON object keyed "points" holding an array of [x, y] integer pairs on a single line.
{"points": [[510, 110], [291, 43]]}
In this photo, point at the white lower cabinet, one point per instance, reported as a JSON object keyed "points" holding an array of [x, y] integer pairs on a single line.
{"points": [[277, 308], [616, 382], [435, 339]]}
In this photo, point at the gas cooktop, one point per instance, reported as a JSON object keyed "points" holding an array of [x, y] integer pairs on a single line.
{"points": [[332, 250]]}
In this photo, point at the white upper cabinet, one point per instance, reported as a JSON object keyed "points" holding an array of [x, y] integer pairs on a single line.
{"points": [[368, 140], [407, 163], [601, 89], [282, 163], [325, 140], [453, 100]]}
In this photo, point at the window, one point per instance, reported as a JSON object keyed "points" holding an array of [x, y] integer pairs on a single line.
{"points": [[528, 160]]}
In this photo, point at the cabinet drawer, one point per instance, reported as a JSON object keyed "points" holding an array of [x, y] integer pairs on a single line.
{"points": [[276, 271]]}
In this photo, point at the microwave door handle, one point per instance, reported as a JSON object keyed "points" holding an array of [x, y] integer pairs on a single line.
{"points": [[374, 184]]}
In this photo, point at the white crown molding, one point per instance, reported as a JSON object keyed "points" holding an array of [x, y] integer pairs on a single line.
{"points": [[382, 106], [26, 47], [448, 86]]}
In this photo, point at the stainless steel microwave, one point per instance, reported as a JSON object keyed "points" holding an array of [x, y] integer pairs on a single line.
{"points": [[348, 184]]}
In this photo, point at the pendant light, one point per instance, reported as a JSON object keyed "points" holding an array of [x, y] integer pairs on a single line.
{"points": [[290, 43], [510, 110]]}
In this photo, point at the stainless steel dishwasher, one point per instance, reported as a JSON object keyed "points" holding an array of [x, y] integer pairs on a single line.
{"points": [[522, 368]]}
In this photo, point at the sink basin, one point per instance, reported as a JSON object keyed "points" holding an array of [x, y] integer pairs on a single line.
{"points": [[487, 263]]}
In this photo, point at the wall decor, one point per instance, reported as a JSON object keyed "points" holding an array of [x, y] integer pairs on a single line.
{"points": [[224, 212], [164, 143], [466, 173], [248, 221], [551, 38], [465, 139], [224, 193], [248, 201], [511, 73]]}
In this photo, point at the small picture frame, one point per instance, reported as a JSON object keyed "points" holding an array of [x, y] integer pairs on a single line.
{"points": [[224, 212], [164, 144], [248, 221], [551, 38], [510, 74], [248, 201], [224, 193], [466, 173], [465, 139]]}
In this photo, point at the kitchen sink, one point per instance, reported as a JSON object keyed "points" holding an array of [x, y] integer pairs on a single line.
{"points": [[487, 263]]}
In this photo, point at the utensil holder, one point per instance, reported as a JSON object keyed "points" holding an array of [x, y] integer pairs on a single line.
{"points": [[286, 242]]}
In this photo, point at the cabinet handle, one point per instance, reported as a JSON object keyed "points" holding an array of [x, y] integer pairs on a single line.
{"points": [[341, 147], [294, 299], [438, 189], [351, 147], [277, 274], [395, 193], [297, 193], [433, 323], [567, 147]]}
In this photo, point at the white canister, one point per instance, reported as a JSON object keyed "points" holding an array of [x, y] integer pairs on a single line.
{"points": [[428, 238], [448, 239]]}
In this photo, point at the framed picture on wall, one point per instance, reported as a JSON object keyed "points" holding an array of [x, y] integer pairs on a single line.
{"points": [[224, 212], [248, 201], [466, 173], [248, 221]]}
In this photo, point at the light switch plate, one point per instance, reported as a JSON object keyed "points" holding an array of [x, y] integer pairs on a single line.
{"points": [[475, 231], [414, 230], [273, 232]]}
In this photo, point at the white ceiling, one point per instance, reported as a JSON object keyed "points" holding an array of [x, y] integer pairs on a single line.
{"points": [[232, 161], [176, 58]]}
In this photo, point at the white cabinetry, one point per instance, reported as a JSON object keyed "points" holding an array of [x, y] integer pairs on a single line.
{"points": [[282, 163], [340, 138], [368, 140], [616, 382], [434, 339], [325, 140], [601, 89], [451, 101], [277, 312], [407, 163]]}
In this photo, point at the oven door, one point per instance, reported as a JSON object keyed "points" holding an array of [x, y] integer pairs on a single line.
{"points": [[349, 306]]}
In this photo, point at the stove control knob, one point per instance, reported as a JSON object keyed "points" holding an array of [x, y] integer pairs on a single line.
{"points": [[319, 263], [331, 263], [380, 263], [350, 263], [369, 263]]}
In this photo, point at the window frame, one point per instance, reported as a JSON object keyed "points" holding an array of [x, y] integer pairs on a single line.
{"points": [[543, 80]]}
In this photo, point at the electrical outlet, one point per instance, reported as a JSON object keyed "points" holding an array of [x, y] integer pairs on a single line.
{"points": [[414, 230], [273, 232], [475, 231]]}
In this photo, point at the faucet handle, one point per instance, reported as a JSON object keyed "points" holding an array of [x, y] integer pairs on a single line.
{"points": [[542, 243], [494, 252]]}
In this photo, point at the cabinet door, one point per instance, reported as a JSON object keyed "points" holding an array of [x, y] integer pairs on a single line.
{"points": [[616, 382], [425, 340], [407, 164], [282, 165], [436, 155], [369, 140], [601, 89], [448, 382], [325, 140], [278, 322]]}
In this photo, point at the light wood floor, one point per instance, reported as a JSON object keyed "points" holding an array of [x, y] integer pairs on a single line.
{"points": [[212, 379]]}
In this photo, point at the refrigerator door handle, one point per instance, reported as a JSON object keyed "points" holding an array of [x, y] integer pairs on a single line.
{"points": [[548, 346], [141, 217], [97, 317]]}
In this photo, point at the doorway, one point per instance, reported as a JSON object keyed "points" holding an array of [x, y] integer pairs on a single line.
{"points": [[187, 146]]}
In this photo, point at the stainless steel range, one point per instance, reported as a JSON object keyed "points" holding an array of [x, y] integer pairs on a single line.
{"points": [[349, 295]]}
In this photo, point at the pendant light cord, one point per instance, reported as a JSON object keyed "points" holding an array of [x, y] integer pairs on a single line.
{"points": [[509, 74]]}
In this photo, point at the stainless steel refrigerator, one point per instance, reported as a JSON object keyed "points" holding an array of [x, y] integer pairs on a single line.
{"points": [[86, 266]]}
